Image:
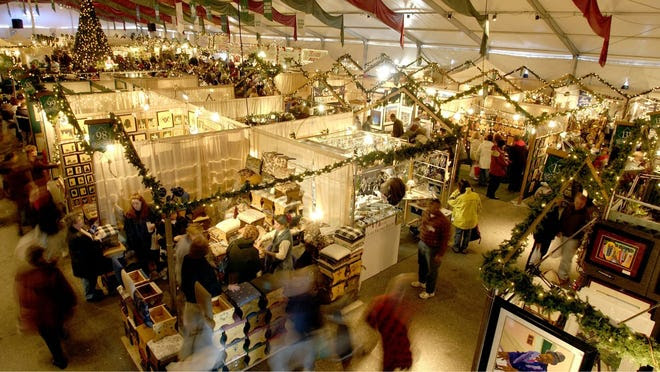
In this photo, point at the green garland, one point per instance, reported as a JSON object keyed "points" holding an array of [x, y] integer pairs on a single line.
{"points": [[499, 272]]}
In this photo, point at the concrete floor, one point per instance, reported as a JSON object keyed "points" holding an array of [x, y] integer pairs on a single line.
{"points": [[444, 330]]}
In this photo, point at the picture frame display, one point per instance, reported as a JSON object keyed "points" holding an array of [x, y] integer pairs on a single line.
{"points": [[128, 122], [517, 340], [165, 119]]}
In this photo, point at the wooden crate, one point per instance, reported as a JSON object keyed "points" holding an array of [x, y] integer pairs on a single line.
{"points": [[257, 352], [150, 293], [235, 349], [164, 351], [223, 311], [257, 336], [164, 322], [245, 299], [145, 334], [233, 331], [256, 320]]}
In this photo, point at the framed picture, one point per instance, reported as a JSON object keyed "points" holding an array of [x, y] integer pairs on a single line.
{"points": [[85, 158], [91, 189], [89, 179], [87, 168], [78, 169], [405, 114], [70, 159], [80, 180], [72, 182], [517, 340], [68, 148], [139, 137], [73, 193], [624, 257], [152, 124], [192, 119], [128, 122], [376, 117], [68, 171], [82, 191], [389, 110], [165, 119]]}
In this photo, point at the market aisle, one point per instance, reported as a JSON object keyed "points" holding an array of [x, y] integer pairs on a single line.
{"points": [[444, 331]]}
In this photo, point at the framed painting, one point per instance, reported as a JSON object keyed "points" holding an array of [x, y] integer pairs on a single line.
{"points": [[516, 340], [389, 110], [68, 148], [70, 160], [128, 122], [165, 119]]}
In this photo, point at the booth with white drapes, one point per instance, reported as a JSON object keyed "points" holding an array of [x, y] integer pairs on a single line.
{"points": [[202, 164], [329, 194]]}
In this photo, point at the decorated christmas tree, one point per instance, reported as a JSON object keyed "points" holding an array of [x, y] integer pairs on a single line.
{"points": [[91, 44]]}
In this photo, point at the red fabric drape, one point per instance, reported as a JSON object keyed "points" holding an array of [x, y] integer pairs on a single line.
{"points": [[599, 24], [383, 13], [287, 20]]}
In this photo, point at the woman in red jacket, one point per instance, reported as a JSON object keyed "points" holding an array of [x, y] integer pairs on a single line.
{"points": [[498, 164]]}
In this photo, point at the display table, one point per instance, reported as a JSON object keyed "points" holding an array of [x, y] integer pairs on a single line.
{"points": [[381, 246]]}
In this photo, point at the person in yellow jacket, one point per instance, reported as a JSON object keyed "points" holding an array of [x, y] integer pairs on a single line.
{"points": [[466, 206]]}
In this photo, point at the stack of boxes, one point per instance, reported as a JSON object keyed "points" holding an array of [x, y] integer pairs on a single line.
{"points": [[341, 263], [146, 338], [242, 317]]}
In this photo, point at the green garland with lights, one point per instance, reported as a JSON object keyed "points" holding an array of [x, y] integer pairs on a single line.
{"points": [[499, 272]]}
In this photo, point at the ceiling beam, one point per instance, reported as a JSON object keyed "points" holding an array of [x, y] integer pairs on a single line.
{"points": [[554, 27], [440, 10]]}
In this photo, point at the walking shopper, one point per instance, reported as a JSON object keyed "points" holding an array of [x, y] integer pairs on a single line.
{"points": [[434, 234], [498, 164], [466, 206]]}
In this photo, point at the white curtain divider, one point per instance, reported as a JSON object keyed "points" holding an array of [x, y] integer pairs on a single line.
{"points": [[332, 190], [202, 164], [311, 126], [240, 107]]}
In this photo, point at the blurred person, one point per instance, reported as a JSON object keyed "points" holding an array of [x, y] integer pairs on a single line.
{"points": [[397, 126], [530, 360], [485, 150], [466, 206], [278, 256], [573, 218], [243, 262], [434, 237], [518, 158], [46, 301], [390, 315], [139, 228], [195, 268], [497, 171], [474, 154], [86, 257]]}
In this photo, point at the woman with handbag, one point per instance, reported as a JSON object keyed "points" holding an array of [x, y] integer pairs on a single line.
{"points": [[466, 206]]}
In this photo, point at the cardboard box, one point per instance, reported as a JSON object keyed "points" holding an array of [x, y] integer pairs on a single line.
{"points": [[164, 322], [223, 311]]}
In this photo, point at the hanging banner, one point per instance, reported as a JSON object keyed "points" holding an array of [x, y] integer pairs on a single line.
{"points": [[268, 9], [101, 133], [179, 17], [300, 23], [49, 104]]}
